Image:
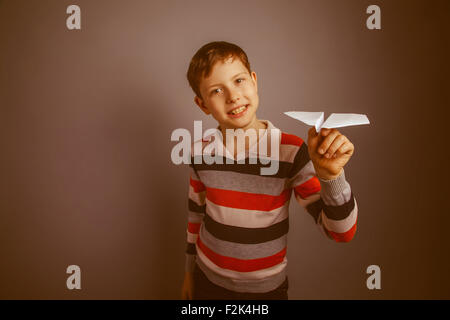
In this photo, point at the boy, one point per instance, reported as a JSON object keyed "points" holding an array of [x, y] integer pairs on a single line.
{"points": [[238, 218]]}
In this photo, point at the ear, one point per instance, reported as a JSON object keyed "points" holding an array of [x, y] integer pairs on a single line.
{"points": [[199, 102], [253, 74]]}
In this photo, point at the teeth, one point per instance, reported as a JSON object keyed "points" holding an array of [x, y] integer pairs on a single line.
{"points": [[238, 110]]}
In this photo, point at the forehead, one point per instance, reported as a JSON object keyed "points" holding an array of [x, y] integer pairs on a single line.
{"points": [[222, 71]]}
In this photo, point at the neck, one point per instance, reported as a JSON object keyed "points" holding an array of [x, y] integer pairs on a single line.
{"points": [[254, 125]]}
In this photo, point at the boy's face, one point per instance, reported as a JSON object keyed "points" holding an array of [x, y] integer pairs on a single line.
{"points": [[230, 95]]}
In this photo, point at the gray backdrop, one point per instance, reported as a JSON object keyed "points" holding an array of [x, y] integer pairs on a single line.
{"points": [[86, 118]]}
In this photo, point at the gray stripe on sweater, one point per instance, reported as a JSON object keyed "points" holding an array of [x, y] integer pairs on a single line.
{"points": [[242, 251], [305, 173], [243, 182], [260, 285], [335, 192], [195, 217]]}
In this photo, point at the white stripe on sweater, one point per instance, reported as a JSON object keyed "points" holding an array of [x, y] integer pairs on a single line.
{"points": [[246, 218]]}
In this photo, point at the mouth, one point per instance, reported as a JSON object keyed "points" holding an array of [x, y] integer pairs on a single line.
{"points": [[238, 110]]}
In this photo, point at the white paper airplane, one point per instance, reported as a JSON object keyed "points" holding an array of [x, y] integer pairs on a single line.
{"points": [[335, 120]]}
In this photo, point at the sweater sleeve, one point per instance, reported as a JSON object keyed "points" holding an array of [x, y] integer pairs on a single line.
{"points": [[330, 202], [196, 212]]}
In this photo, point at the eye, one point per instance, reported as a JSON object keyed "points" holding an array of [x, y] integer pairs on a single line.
{"points": [[216, 91], [240, 80]]}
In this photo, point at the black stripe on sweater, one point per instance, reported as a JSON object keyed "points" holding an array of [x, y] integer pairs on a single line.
{"points": [[340, 212], [315, 208], [191, 249], [195, 207], [246, 235], [300, 160]]}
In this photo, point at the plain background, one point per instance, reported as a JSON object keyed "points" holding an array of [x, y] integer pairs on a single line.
{"points": [[86, 118]]}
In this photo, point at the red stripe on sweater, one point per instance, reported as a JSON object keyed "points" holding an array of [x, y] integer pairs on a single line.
{"points": [[197, 185], [345, 236], [240, 264], [193, 227], [291, 139], [308, 188], [245, 200]]}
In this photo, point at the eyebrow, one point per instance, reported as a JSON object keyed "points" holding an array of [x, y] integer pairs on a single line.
{"points": [[235, 76]]}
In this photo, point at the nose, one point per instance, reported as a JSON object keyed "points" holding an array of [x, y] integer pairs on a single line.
{"points": [[233, 96]]}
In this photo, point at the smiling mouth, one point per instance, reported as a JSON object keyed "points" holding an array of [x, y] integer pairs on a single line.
{"points": [[238, 110]]}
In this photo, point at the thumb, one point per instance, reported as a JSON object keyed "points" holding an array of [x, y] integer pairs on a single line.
{"points": [[313, 138]]}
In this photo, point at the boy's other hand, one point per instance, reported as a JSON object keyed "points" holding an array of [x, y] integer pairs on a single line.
{"points": [[329, 151], [187, 289]]}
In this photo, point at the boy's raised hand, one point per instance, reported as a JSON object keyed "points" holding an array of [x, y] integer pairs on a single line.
{"points": [[329, 151]]}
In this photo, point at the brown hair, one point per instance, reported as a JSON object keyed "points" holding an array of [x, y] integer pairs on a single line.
{"points": [[207, 56]]}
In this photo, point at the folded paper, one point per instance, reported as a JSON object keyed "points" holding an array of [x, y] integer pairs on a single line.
{"points": [[335, 120]]}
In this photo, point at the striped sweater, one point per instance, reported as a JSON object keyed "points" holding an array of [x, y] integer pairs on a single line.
{"points": [[238, 219]]}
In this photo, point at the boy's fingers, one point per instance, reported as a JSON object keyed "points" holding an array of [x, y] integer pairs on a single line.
{"points": [[346, 148], [313, 138], [326, 143], [324, 132], [338, 142], [312, 132]]}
